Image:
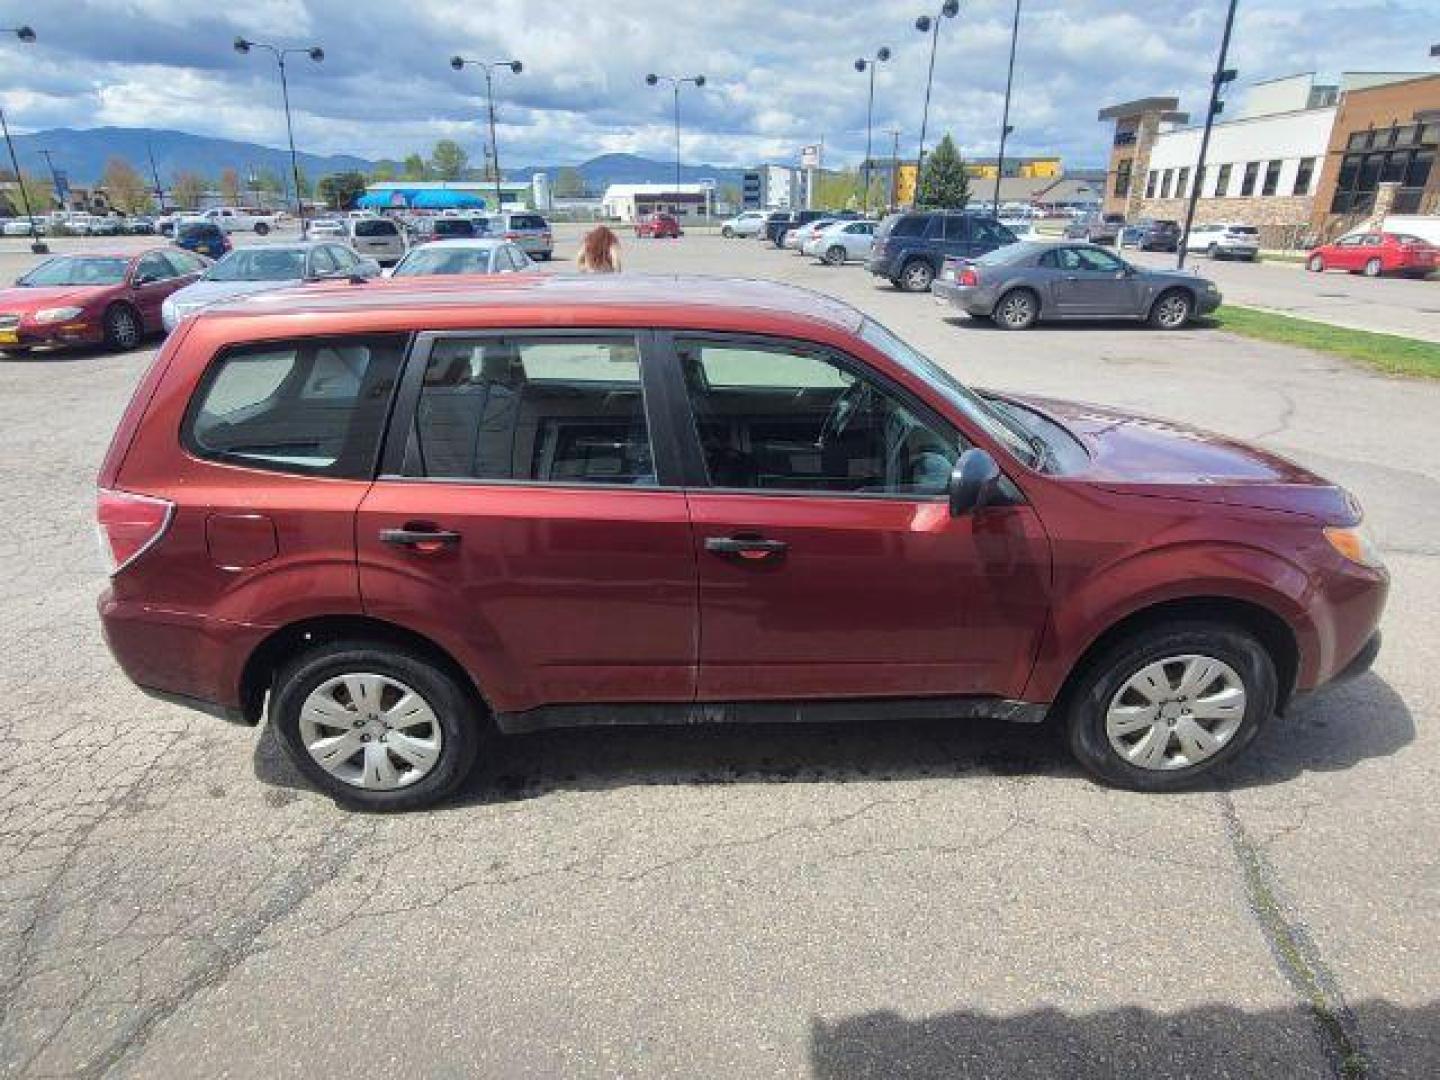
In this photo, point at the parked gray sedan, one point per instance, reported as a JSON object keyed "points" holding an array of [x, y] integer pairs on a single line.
{"points": [[1023, 283]]}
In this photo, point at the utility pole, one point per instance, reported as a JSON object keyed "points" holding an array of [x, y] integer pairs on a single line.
{"points": [[894, 168], [155, 175], [1005, 128], [1222, 76]]}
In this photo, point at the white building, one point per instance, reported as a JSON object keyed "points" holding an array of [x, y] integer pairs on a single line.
{"points": [[626, 202]]}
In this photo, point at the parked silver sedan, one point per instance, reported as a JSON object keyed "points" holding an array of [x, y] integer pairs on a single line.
{"points": [[841, 241], [474, 256], [1022, 284]]}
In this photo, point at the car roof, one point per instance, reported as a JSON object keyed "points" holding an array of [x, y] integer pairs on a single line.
{"points": [[480, 243], [553, 299]]}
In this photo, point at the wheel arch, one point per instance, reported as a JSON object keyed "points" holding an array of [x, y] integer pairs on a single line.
{"points": [[274, 651], [1178, 286]]}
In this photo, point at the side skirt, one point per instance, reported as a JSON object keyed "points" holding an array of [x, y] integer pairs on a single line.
{"points": [[768, 712]]}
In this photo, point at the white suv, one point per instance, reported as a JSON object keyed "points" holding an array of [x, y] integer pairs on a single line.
{"points": [[1225, 240], [747, 224]]}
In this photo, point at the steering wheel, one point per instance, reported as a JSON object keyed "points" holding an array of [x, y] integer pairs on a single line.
{"points": [[847, 406]]}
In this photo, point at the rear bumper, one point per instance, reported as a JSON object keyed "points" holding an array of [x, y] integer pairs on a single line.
{"points": [[881, 265], [968, 298]]}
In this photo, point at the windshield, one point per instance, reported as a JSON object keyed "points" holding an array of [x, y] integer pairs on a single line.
{"points": [[997, 425], [456, 227], [74, 270], [460, 260], [260, 264]]}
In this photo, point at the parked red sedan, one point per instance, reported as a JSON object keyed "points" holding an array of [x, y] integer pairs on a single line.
{"points": [[108, 299], [394, 515], [658, 226], [1373, 254]]}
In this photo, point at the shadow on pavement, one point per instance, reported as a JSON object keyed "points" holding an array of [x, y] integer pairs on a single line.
{"points": [[1208, 1041], [965, 322], [1331, 731]]}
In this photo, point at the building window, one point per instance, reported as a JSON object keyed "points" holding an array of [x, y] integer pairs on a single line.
{"points": [[1150, 184], [1304, 175], [1222, 182], [1181, 179], [1165, 179], [1122, 178], [1247, 184], [1272, 178]]}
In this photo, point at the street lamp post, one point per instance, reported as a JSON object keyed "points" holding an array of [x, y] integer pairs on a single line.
{"points": [[868, 63], [927, 24], [489, 66], [1005, 128], [675, 82], [1222, 76], [315, 53], [38, 246]]}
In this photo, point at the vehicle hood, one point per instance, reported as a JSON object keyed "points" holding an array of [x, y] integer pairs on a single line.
{"points": [[203, 293], [21, 300], [1136, 454]]}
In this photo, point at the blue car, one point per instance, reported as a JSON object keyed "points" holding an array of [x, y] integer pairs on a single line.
{"points": [[204, 237]]}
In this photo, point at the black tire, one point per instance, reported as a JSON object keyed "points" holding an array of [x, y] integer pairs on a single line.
{"points": [[728, 233], [780, 239], [545, 256], [460, 719], [915, 276], [835, 256], [122, 327], [262, 229], [1213, 251], [1172, 310], [1103, 679], [1018, 309], [1316, 264], [1372, 268]]}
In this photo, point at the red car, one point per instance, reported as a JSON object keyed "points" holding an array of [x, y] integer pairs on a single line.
{"points": [[1373, 254], [93, 299], [658, 226], [391, 515]]}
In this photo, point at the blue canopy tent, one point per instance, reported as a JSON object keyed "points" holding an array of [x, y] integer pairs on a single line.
{"points": [[384, 200], [445, 199]]}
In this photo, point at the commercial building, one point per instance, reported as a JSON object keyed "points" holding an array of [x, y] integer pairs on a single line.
{"points": [[515, 194], [1041, 182], [773, 187], [626, 202], [1301, 160]]}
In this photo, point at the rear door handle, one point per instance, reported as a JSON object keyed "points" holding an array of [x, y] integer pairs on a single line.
{"points": [[420, 538], [747, 547]]}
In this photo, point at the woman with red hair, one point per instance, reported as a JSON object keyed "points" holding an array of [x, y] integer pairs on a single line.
{"points": [[599, 252]]}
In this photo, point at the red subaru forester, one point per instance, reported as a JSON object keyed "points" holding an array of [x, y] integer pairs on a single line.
{"points": [[389, 514]]}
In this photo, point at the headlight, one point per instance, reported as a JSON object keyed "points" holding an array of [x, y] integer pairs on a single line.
{"points": [[57, 314], [1355, 543]]}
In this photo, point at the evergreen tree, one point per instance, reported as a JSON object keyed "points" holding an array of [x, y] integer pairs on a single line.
{"points": [[944, 184]]}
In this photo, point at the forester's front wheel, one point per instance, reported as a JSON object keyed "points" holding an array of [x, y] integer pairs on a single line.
{"points": [[1161, 708], [376, 727]]}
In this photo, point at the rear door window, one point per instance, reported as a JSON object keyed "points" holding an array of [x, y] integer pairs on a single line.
{"points": [[955, 228], [313, 406], [911, 225]]}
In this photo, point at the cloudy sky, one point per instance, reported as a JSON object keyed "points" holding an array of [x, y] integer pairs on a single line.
{"points": [[780, 73]]}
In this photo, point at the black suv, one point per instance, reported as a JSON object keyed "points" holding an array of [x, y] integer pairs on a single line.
{"points": [[782, 221], [911, 246]]}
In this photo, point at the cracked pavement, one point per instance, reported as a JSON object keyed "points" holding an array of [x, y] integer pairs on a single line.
{"points": [[902, 900]]}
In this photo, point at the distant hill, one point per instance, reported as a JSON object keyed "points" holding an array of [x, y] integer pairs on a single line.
{"points": [[599, 172], [82, 154]]}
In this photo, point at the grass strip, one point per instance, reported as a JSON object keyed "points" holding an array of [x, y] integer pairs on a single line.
{"points": [[1389, 353]]}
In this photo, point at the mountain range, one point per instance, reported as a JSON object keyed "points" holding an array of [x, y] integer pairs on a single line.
{"points": [[82, 154]]}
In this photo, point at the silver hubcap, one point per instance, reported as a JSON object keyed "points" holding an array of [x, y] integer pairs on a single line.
{"points": [[1016, 310], [1176, 712], [370, 731], [1173, 311], [917, 277], [123, 326]]}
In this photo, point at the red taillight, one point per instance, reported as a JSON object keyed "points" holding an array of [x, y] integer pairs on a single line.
{"points": [[511, 236], [969, 277], [129, 525]]}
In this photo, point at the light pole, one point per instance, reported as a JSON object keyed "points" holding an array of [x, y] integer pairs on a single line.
{"points": [[315, 53], [675, 82], [927, 24], [1005, 128], [1222, 76], [868, 63], [26, 35], [489, 66]]}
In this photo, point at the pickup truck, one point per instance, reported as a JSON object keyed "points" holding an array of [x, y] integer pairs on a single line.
{"points": [[240, 219]]}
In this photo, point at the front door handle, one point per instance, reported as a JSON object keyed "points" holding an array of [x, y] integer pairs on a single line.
{"points": [[747, 547], [422, 538]]}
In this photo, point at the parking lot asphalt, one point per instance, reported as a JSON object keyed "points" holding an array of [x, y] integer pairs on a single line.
{"points": [[884, 900]]}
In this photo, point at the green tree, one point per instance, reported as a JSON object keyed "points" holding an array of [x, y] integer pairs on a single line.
{"points": [[384, 171], [125, 187], [569, 184], [416, 168], [340, 190], [448, 160], [40, 192], [188, 189], [230, 187], [837, 190], [944, 184]]}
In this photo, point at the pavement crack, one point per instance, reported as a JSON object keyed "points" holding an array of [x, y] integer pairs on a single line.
{"points": [[1295, 953]]}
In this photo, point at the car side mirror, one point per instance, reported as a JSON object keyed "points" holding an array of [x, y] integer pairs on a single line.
{"points": [[146, 279], [972, 482]]}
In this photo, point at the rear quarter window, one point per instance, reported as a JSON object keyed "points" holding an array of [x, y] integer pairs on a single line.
{"points": [[911, 225], [312, 406]]}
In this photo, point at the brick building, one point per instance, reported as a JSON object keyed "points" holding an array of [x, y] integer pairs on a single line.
{"points": [[1300, 160]]}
